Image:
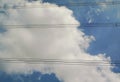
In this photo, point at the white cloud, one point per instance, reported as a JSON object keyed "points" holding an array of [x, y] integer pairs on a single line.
{"points": [[54, 42]]}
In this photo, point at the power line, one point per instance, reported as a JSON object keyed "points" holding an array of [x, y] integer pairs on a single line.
{"points": [[63, 25], [96, 3], [65, 4], [48, 59], [41, 26], [57, 61], [36, 25], [101, 24]]}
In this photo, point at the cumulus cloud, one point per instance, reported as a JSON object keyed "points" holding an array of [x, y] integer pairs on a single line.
{"points": [[49, 41]]}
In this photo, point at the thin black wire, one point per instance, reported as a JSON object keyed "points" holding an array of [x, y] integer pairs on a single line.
{"points": [[37, 59], [96, 3], [101, 25], [84, 25], [62, 25], [58, 61], [36, 25], [40, 26], [68, 4]]}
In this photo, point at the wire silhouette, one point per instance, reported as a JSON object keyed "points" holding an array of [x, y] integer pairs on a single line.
{"points": [[67, 4], [59, 61], [62, 25]]}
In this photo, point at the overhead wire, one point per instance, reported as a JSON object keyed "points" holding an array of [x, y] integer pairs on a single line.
{"points": [[62, 25], [58, 61], [67, 4]]}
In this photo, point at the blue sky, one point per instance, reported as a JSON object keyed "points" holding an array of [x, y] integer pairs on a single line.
{"points": [[107, 38], [35, 77]]}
